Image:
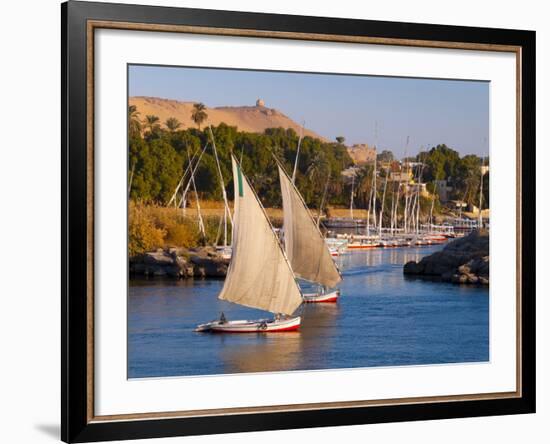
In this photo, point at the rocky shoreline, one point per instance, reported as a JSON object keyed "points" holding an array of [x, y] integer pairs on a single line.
{"points": [[179, 263], [462, 261]]}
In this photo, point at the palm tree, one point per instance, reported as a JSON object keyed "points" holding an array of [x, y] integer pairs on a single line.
{"points": [[172, 124], [152, 123], [317, 171], [363, 184], [199, 114], [134, 124], [317, 167]]}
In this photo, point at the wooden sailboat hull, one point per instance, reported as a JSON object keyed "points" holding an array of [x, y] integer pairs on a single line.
{"points": [[331, 296], [257, 326]]}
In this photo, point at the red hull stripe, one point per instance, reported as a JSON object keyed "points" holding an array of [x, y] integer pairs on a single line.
{"points": [[333, 299], [291, 328]]}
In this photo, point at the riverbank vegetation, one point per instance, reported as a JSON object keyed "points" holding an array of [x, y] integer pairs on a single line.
{"points": [[159, 155], [158, 158], [151, 227]]}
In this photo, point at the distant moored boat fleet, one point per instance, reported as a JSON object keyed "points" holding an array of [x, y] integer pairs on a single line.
{"points": [[339, 243]]}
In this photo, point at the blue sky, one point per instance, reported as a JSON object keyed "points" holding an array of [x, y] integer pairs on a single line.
{"points": [[428, 111]]}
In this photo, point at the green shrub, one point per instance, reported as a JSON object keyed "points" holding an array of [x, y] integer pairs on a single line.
{"points": [[143, 234]]}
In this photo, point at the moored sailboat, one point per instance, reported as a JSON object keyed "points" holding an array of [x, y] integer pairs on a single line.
{"points": [[322, 296], [305, 245], [259, 274]]}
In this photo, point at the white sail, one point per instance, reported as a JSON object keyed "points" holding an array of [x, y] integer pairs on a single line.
{"points": [[304, 244], [259, 274]]}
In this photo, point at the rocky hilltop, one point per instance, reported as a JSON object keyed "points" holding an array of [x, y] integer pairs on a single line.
{"points": [[463, 261], [254, 119], [362, 154]]}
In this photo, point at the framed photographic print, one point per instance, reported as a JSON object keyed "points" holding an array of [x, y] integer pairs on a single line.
{"points": [[276, 221]]}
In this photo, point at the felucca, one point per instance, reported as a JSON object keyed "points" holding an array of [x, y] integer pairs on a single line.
{"points": [[305, 245], [259, 275]]}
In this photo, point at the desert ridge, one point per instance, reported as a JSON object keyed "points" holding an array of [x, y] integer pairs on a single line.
{"points": [[254, 119]]}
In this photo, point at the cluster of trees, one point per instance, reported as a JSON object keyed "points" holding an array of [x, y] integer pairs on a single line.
{"points": [[158, 156], [463, 174], [385, 156]]}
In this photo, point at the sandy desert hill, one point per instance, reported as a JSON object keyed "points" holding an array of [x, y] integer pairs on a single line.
{"points": [[246, 118]]}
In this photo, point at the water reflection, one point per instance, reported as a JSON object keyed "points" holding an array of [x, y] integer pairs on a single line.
{"points": [[281, 352], [380, 256], [380, 319]]}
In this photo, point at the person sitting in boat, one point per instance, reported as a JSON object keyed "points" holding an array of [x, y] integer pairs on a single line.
{"points": [[222, 318]]}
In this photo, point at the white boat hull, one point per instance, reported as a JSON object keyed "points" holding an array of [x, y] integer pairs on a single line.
{"points": [[257, 326], [331, 296], [225, 252]]}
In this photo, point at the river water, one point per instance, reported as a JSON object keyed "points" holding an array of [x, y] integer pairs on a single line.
{"points": [[381, 319]]}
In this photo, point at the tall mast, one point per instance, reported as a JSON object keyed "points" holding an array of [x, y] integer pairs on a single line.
{"points": [[298, 152], [183, 202], [414, 201], [383, 201], [225, 227], [374, 194], [481, 184], [435, 195], [180, 183], [481, 192], [392, 208], [396, 209], [222, 184], [369, 210], [433, 202], [405, 188], [201, 223], [462, 201], [374, 177], [418, 195], [351, 197], [323, 199], [407, 201], [193, 170]]}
